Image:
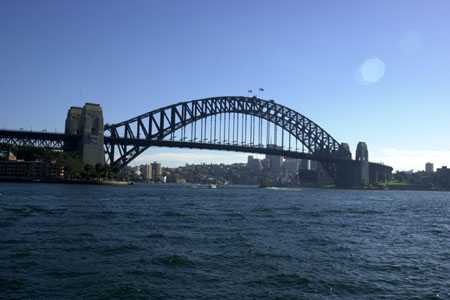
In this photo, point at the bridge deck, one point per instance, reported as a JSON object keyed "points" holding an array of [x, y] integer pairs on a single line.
{"points": [[56, 140]]}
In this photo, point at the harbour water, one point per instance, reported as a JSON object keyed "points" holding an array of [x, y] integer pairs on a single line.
{"points": [[190, 242]]}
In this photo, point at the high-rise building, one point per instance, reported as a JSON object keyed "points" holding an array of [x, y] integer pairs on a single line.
{"points": [[313, 165], [146, 172], [429, 167], [275, 161], [291, 165], [254, 164], [250, 160], [265, 163], [156, 171], [304, 164]]}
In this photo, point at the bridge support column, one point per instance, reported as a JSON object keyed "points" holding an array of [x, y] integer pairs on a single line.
{"points": [[87, 123], [354, 173]]}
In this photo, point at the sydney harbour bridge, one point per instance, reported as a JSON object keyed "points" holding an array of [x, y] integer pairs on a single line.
{"points": [[230, 123]]}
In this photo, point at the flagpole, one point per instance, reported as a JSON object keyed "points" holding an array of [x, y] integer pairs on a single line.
{"points": [[261, 90]]}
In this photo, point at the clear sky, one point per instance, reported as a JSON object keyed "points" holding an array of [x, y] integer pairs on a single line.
{"points": [[376, 71]]}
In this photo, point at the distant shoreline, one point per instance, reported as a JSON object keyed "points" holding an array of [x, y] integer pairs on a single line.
{"points": [[67, 181], [126, 183]]}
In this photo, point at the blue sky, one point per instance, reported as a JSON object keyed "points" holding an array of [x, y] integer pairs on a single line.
{"points": [[134, 56]]}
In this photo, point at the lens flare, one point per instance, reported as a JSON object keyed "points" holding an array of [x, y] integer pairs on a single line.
{"points": [[371, 70]]}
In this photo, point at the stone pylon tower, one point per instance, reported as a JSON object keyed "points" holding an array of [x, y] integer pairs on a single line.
{"points": [[344, 151], [362, 156], [73, 120], [87, 123], [353, 173]]}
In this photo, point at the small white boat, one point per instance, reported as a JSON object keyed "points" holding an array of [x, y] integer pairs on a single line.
{"points": [[213, 186]]}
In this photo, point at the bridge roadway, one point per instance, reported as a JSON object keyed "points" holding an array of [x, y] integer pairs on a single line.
{"points": [[41, 139], [56, 141]]}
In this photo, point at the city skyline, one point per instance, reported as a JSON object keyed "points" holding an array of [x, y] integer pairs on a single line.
{"points": [[374, 77], [191, 156]]}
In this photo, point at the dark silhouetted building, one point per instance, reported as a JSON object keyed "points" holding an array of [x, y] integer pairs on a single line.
{"points": [[156, 171], [254, 165], [275, 161], [291, 165]]}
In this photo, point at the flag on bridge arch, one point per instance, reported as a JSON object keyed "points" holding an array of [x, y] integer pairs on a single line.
{"points": [[250, 91], [261, 89]]}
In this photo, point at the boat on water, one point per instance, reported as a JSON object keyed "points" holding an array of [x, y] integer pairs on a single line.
{"points": [[212, 186]]}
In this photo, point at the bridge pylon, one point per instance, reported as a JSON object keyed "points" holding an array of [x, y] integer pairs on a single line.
{"points": [[87, 123], [353, 173]]}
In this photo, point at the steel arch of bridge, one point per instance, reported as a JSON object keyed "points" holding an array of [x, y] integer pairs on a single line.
{"points": [[132, 137]]}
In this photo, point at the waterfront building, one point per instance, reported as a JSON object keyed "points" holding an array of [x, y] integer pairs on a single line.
{"points": [[429, 167], [265, 163], [254, 165], [7, 156], [275, 161], [443, 177], [304, 164], [30, 170], [291, 166], [146, 172], [156, 171]]}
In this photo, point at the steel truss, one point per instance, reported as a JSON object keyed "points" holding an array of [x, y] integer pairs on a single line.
{"points": [[19, 138], [242, 119]]}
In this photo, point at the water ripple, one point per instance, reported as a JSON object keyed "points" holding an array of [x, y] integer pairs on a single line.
{"points": [[173, 242]]}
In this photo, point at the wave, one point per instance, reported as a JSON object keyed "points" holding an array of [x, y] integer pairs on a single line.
{"points": [[25, 211], [174, 261], [156, 235], [11, 284], [358, 211], [120, 249], [259, 253], [68, 274], [353, 211], [274, 188], [4, 224], [283, 280], [171, 213], [123, 292], [261, 209], [32, 210], [22, 253]]}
